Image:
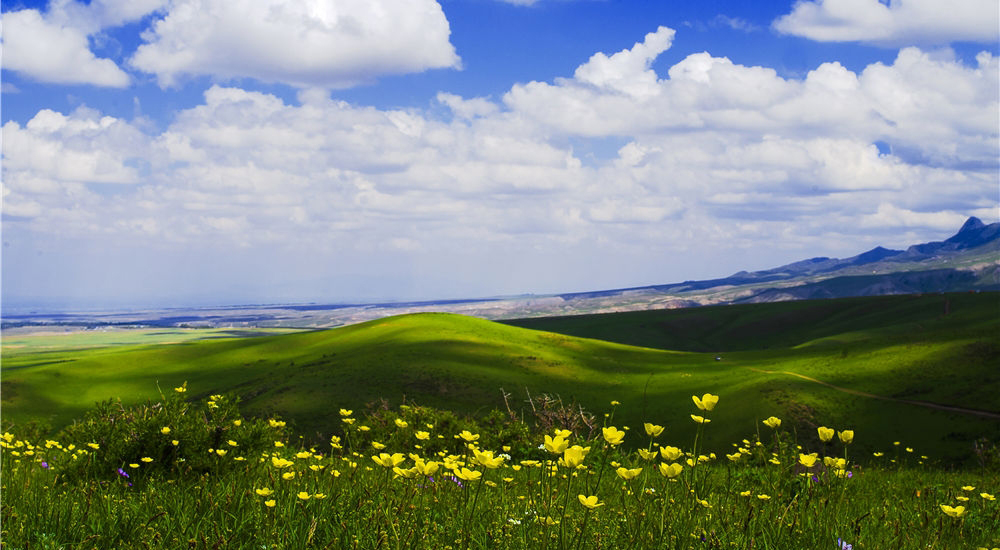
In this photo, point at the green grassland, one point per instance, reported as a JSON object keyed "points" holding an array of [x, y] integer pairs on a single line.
{"points": [[929, 350]]}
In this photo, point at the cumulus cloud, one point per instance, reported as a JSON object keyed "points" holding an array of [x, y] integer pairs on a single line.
{"points": [[898, 23], [715, 156], [309, 43], [47, 50]]}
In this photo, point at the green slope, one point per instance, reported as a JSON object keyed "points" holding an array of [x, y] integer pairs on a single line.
{"points": [[460, 363]]}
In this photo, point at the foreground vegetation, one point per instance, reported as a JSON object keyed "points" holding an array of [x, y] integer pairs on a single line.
{"points": [[194, 473]]}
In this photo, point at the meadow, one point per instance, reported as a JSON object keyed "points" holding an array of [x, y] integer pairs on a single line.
{"points": [[194, 473], [857, 423]]}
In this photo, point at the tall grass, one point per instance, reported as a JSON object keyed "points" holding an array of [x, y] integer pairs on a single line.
{"points": [[195, 474]]}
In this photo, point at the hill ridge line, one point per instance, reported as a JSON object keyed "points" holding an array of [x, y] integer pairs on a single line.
{"points": [[927, 404]]}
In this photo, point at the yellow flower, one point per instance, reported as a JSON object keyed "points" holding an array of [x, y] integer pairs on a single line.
{"points": [[615, 403], [264, 492], [280, 462], [825, 434], [347, 420], [345, 412], [182, 388], [486, 459], [590, 502], [146, 459], [423, 436], [133, 465], [703, 502], [987, 496], [647, 455], [956, 512], [670, 453], [279, 444], [303, 495], [653, 430], [968, 488], [962, 498], [275, 423], [389, 460], [808, 460], [764, 497], [165, 430], [377, 446], [287, 476], [174, 442], [613, 435], [400, 423], [707, 401], [700, 419], [846, 436], [426, 468], [628, 474], [772, 422], [269, 503], [93, 446], [467, 474], [237, 422], [672, 470], [468, 436], [556, 445], [319, 496], [573, 456], [232, 443]]}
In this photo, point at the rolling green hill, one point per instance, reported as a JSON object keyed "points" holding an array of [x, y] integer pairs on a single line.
{"points": [[894, 348]]}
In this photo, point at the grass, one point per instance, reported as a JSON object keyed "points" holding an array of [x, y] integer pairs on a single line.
{"points": [[194, 473], [902, 349]]}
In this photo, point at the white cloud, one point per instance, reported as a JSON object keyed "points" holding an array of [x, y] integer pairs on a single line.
{"points": [[712, 156], [898, 23], [49, 51], [310, 43]]}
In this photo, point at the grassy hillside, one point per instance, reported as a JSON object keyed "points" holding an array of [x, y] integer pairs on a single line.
{"points": [[898, 349]]}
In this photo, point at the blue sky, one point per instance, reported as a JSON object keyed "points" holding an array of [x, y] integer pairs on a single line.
{"points": [[183, 152]]}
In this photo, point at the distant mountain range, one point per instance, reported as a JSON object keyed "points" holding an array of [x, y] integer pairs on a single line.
{"points": [[968, 261]]}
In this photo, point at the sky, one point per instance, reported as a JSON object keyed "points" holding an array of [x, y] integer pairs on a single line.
{"points": [[175, 153]]}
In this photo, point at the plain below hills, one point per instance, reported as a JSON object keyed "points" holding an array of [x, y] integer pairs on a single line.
{"points": [[922, 370]]}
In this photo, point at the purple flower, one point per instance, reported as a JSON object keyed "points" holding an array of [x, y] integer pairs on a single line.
{"points": [[45, 465], [842, 545], [123, 473]]}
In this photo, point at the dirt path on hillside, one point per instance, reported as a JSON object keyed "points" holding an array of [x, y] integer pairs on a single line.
{"points": [[926, 404]]}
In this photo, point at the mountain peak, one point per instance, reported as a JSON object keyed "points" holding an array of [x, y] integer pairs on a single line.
{"points": [[971, 224]]}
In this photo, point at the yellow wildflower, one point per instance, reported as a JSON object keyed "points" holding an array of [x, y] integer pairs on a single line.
{"points": [[270, 503], [700, 419], [303, 495], [389, 460], [707, 401], [590, 502], [653, 430], [613, 435], [956, 512], [423, 436], [346, 412], [764, 497], [165, 430], [275, 423], [846, 436], [400, 423], [555, 445], [467, 474], [772, 422], [670, 453], [987, 496], [647, 455], [628, 474], [287, 476], [146, 459], [808, 460], [673, 470], [825, 434], [264, 492]]}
